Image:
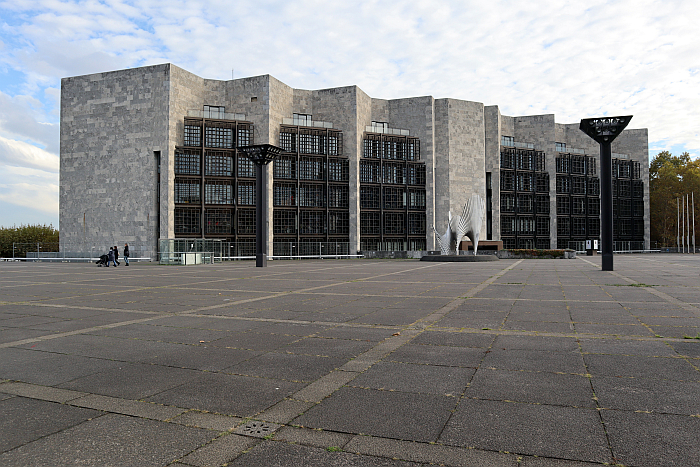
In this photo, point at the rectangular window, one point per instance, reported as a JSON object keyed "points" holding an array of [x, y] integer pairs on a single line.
{"points": [[543, 226], [187, 162], [288, 141], [188, 220], [416, 223], [578, 226], [560, 147], [563, 205], [312, 196], [284, 194], [246, 221], [593, 187], [214, 111], [369, 197], [542, 182], [369, 223], [394, 223], [218, 136], [563, 184], [508, 159], [507, 202], [187, 191], [338, 223], [311, 168], [542, 204], [369, 171], [284, 221], [394, 198], [593, 227], [563, 226], [394, 173], [246, 193], [338, 170], [578, 206], [593, 207], [578, 185], [245, 135], [193, 135], [563, 164], [524, 203], [246, 168], [508, 225], [312, 222], [526, 182], [218, 163], [337, 196], [218, 192], [416, 174], [218, 221], [507, 141], [507, 180], [285, 167], [416, 199]]}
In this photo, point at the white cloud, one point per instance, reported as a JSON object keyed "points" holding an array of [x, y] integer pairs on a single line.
{"points": [[19, 154], [573, 59]]}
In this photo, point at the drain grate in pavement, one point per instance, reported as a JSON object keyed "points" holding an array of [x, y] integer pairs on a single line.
{"points": [[257, 429]]}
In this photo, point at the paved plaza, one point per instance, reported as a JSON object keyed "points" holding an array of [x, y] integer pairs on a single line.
{"points": [[527, 363]]}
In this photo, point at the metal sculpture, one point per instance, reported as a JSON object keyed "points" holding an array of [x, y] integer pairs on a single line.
{"points": [[466, 225]]}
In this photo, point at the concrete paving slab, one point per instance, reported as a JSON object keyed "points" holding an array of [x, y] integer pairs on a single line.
{"points": [[240, 396], [408, 377], [535, 360], [528, 429], [207, 420], [646, 348], [220, 451], [532, 387], [653, 439], [25, 420], [353, 410], [285, 410], [641, 367], [110, 440], [286, 366], [258, 341], [439, 355], [127, 407], [280, 454], [454, 339]]}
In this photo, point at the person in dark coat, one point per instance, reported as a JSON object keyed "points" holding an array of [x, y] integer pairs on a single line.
{"points": [[116, 255], [126, 253], [110, 257]]}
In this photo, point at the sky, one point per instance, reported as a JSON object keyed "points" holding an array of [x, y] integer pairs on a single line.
{"points": [[574, 59]]}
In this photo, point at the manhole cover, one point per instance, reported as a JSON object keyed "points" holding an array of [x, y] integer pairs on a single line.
{"points": [[258, 429]]}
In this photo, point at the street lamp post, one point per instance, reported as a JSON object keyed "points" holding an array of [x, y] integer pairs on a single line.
{"points": [[260, 155], [604, 130]]}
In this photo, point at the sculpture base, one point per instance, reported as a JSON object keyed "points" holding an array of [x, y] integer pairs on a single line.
{"points": [[460, 258]]}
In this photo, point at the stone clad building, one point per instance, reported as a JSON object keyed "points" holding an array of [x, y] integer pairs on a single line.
{"points": [[150, 153]]}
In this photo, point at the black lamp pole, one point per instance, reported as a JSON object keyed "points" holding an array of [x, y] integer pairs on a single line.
{"points": [[604, 130], [261, 155]]}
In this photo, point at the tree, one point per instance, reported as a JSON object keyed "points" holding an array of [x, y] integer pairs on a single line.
{"points": [[25, 238], [670, 178]]}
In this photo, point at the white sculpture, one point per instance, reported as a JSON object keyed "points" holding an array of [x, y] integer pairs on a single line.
{"points": [[468, 224]]}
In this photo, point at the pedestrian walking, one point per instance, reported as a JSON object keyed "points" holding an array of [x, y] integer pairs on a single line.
{"points": [[126, 254], [110, 257], [116, 255]]}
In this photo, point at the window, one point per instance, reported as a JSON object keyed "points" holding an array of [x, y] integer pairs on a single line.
{"points": [[563, 226], [288, 141], [193, 135], [369, 197], [542, 182], [338, 196], [218, 221], [302, 119], [338, 223], [311, 168], [187, 162], [508, 225], [284, 194], [560, 147], [212, 111], [578, 206], [578, 226], [246, 168], [507, 181], [394, 198], [245, 137], [508, 159], [338, 170], [526, 182], [312, 196], [369, 172], [416, 174], [416, 199], [218, 163], [593, 207], [312, 222], [507, 141], [542, 204], [394, 223], [187, 220], [246, 193], [284, 221], [563, 184], [285, 167], [246, 221], [563, 205], [543, 226], [218, 136], [416, 223], [394, 173], [187, 192], [218, 192], [369, 223], [524, 203], [507, 202]]}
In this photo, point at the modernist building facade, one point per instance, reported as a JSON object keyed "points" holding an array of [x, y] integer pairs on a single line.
{"points": [[151, 153]]}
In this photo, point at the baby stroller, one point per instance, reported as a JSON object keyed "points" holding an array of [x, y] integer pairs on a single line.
{"points": [[102, 261]]}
